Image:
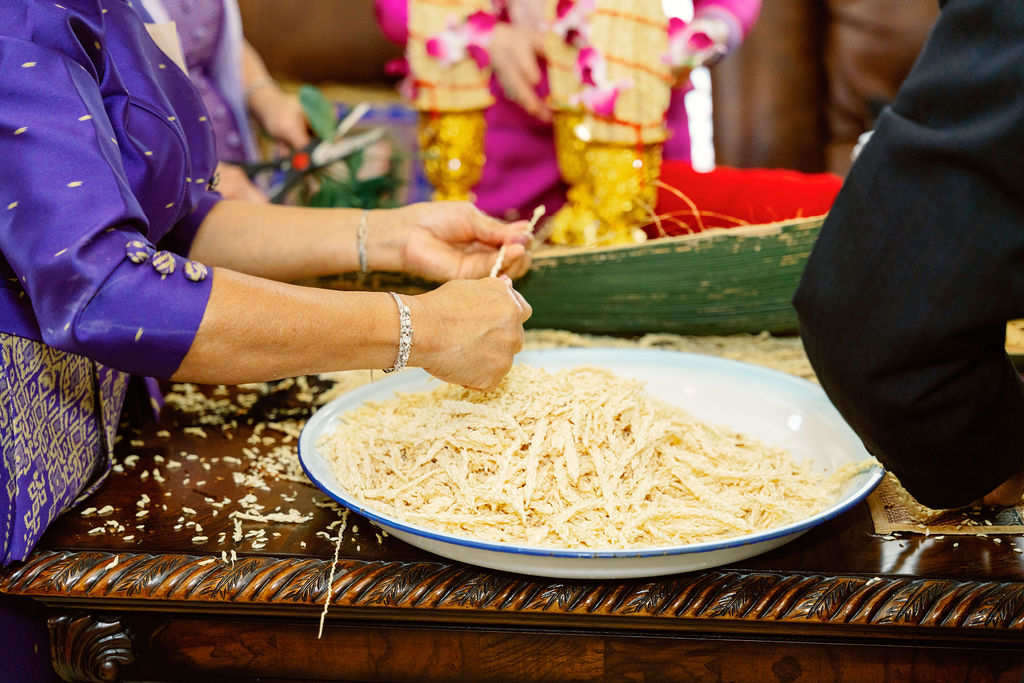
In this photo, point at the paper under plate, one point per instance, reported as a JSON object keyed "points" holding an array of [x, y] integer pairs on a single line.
{"points": [[778, 408]]}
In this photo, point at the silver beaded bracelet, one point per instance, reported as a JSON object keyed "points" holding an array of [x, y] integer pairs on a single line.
{"points": [[361, 241], [405, 335]]}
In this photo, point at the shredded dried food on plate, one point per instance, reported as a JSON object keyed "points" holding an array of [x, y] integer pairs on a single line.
{"points": [[579, 458]]}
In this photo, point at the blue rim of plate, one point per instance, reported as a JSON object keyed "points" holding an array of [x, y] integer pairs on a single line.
{"points": [[872, 478]]}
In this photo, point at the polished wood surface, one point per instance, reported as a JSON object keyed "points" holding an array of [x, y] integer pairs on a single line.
{"points": [[838, 603]]}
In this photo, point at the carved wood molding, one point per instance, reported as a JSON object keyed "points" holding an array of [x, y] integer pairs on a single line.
{"points": [[719, 596], [85, 648]]}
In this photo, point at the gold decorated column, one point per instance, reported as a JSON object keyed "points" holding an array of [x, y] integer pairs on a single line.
{"points": [[623, 91], [562, 43], [450, 72]]}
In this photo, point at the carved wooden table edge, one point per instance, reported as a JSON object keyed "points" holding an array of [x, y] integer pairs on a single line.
{"points": [[724, 600]]}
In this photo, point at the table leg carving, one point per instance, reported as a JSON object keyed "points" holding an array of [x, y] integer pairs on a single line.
{"points": [[89, 648]]}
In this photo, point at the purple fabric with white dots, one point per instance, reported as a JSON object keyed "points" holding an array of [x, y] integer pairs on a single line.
{"points": [[105, 142], [107, 151]]}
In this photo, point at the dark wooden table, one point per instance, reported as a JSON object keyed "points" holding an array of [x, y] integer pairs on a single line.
{"points": [[146, 598]]}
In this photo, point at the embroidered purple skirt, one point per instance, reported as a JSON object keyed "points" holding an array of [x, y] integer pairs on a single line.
{"points": [[58, 418]]}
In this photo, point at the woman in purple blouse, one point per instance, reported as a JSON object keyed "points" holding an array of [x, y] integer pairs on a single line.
{"points": [[521, 170], [117, 259]]}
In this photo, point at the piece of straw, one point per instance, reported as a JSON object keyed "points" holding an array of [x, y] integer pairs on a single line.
{"points": [[537, 213]]}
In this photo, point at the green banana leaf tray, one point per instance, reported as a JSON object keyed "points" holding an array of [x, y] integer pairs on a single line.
{"points": [[721, 281]]}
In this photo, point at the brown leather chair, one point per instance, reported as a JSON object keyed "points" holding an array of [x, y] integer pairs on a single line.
{"points": [[315, 41], [811, 77]]}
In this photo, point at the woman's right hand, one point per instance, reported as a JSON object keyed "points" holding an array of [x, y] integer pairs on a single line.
{"points": [[468, 331]]}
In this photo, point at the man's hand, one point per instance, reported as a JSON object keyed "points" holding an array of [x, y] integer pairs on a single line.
{"points": [[1010, 492]]}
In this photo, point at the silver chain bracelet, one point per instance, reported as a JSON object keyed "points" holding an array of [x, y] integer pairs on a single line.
{"points": [[361, 241], [405, 335]]}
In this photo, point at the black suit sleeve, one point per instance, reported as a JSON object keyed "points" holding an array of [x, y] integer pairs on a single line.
{"points": [[904, 301]]}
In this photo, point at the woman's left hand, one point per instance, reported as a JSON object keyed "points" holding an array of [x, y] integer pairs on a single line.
{"points": [[514, 53], [281, 116], [443, 241]]}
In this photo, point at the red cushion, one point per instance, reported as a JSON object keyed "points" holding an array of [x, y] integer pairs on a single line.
{"points": [[727, 197]]}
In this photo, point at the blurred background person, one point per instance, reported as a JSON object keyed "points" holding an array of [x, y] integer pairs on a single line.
{"points": [[235, 86]]}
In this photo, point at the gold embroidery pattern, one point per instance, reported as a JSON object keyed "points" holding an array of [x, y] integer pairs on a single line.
{"points": [[51, 440]]}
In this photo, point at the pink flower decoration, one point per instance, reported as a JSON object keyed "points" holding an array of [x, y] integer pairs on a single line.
{"points": [[590, 67], [689, 46], [408, 88], [442, 47], [700, 41], [572, 21], [399, 66], [480, 55], [599, 94], [601, 101], [480, 26], [676, 28], [461, 40]]}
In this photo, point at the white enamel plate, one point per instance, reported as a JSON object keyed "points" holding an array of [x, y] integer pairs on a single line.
{"points": [[776, 407]]}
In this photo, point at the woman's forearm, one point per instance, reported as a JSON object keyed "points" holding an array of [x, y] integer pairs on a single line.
{"points": [[288, 243], [257, 330]]}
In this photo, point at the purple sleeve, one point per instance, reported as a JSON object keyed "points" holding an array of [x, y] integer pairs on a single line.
{"points": [[393, 18], [72, 226], [739, 14], [179, 239]]}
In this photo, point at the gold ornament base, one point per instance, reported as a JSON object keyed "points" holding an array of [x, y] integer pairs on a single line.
{"points": [[624, 179], [613, 191], [452, 152], [576, 218]]}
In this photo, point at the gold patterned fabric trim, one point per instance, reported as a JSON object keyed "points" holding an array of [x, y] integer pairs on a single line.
{"points": [[58, 418]]}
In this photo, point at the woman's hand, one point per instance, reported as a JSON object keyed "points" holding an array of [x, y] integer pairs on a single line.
{"points": [[281, 115], [468, 331], [514, 51], [233, 183], [442, 241]]}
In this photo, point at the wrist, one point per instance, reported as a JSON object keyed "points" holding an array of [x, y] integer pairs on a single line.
{"points": [[261, 95], [259, 84], [424, 348], [382, 241], [405, 334]]}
